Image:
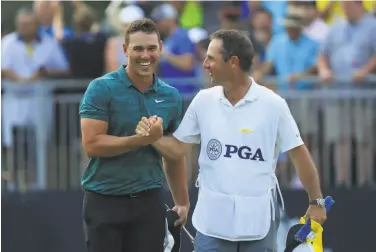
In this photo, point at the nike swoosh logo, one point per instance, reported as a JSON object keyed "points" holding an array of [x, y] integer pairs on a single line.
{"points": [[158, 101]]}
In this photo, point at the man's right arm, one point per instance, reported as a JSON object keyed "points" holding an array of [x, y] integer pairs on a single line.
{"points": [[322, 63], [10, 75], [326, 48], [97, 143], [267, 67], [94, 113], [7, 59], [172, 148]]}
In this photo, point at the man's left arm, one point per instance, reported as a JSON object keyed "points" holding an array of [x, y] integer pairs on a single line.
{"points": [[367, 69], [370, 67], [184, 58], [289, 139], [183, 62], [312, 63], [306, 171]]}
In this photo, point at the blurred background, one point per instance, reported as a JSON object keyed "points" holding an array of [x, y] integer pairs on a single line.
{"points": [[319, 55]]}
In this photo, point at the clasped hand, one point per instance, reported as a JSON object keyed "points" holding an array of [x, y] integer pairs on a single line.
{"points": [[151, 128]]}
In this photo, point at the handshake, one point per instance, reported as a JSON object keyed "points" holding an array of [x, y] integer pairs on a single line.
{"points": [[151, 128]]}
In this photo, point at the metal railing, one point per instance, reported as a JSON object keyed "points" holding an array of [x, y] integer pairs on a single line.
{"points": [[41, 138]]}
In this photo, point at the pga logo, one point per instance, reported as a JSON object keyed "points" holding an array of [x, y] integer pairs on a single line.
{"points": [[214, 150]]}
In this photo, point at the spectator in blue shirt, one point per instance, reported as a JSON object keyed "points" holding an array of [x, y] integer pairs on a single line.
{"points": [[261, 25], [349, 52], [278, 10], [177, 59], [292, 55], [46, 11]]}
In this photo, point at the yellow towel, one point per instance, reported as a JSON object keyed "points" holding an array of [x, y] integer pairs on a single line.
{"points": [[317, 239]]}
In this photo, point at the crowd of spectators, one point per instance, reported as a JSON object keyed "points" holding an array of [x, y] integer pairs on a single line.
{"points": [[293, 40]]}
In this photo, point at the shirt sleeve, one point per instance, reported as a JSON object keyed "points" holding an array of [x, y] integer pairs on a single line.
{"points": [[288, 136], [189, 130], [6, 54], [178, 113], [373, 38], [186, 46], [57, 60], [313, 54], [271, 51], [326, 46], [95, 103]]}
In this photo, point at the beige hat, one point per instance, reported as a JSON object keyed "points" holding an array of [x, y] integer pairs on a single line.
{"points": [[294, 18]]}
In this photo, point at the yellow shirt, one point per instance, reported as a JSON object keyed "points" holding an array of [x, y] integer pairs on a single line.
{"points": [[336, 11], [192, 15]]}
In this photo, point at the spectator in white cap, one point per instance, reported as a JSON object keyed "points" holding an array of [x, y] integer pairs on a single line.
{"points": [[114, 55], [198, 34], [200, 38], [177, 59]]}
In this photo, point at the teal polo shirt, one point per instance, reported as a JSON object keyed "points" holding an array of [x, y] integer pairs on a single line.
{"points": [[114, 99]]}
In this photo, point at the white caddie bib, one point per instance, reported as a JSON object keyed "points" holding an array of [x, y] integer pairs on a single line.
{"points": [[239, 150]]}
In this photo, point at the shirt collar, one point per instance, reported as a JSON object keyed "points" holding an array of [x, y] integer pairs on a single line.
{"points": [[124, 77], [47, 29], [251, 96], [366, 16], [253, 92], [37, 38], [298, 40]]}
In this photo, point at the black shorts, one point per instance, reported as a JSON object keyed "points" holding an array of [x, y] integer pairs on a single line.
{"points": [[125, 223]]}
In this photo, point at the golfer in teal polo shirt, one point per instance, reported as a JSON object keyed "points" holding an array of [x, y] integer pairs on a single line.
{"points": [[124, 203]]}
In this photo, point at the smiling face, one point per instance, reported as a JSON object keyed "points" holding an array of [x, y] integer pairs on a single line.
{"points": [[143, 52], [214, 63]]}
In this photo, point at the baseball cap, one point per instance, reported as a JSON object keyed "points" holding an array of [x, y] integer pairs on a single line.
{"points": [[197, 34], [131, 13], [293, 245], [164, 11]]}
